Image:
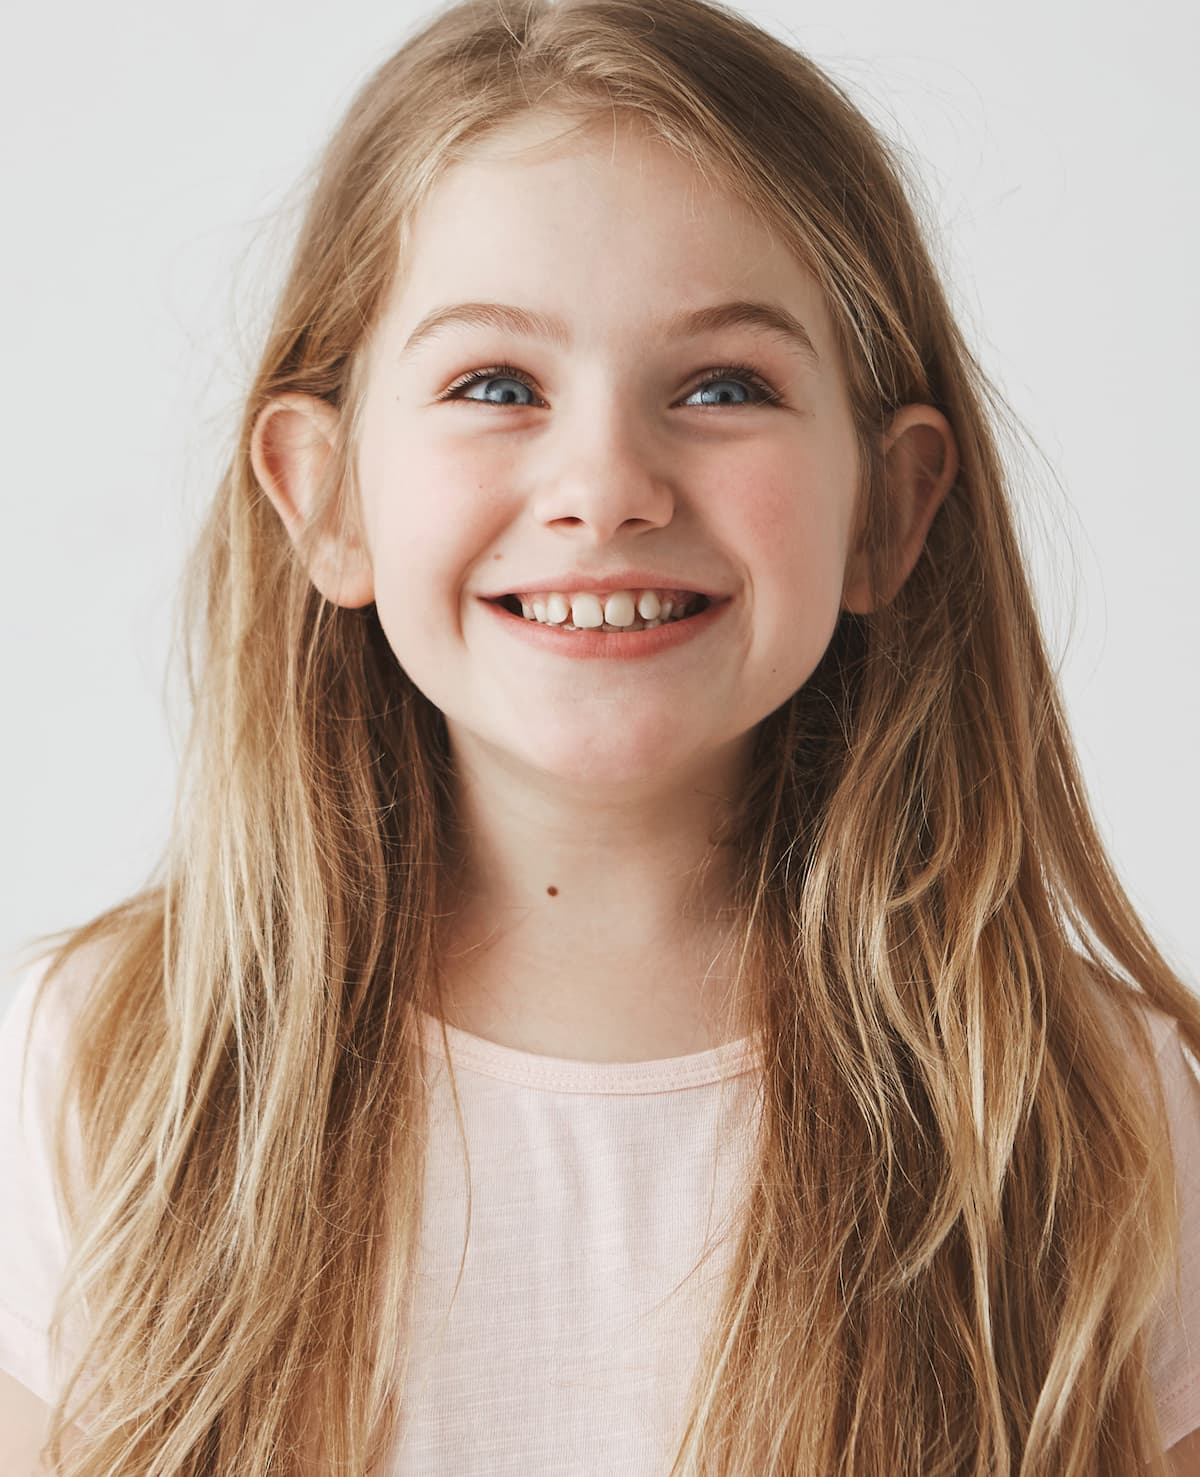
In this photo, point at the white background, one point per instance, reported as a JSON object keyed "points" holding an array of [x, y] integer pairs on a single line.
{"points": [[151, 154]]}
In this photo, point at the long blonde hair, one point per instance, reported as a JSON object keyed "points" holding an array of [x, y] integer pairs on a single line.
{"points": [[962, 1213]]}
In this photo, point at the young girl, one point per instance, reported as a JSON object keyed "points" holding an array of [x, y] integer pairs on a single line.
{"points": [[635, 986]]}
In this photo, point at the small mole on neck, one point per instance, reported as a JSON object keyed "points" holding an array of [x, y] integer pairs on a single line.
{"points": [[553, 891]]}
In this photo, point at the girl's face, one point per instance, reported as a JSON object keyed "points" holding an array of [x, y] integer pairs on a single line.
{"points": [[600, 458]]}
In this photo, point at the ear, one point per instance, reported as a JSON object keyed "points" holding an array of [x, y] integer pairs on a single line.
{"points": [[291, 448], [921, 463]]}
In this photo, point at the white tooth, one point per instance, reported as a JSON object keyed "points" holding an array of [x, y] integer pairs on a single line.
{"points": [[668, 605], [648, 605], [557, 609], [527, 609], [650, 625], [618, 609], [539, 607], [586, 611]]}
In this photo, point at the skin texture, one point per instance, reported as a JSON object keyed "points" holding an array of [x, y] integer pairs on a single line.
{"points": [[601, 779]]}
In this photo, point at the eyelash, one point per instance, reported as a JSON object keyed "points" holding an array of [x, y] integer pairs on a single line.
{"points": [[765, 395]]}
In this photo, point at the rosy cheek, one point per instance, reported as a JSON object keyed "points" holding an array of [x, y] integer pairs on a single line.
{"points": [[769, 519], [770, 509]]}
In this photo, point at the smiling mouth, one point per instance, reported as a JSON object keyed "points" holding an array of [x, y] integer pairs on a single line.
{"points": [[593, 614]]}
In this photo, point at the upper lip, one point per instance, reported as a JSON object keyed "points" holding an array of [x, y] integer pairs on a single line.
{"points": [[621, 579]]}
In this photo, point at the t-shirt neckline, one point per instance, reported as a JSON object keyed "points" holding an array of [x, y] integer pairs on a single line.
{"points": [[563, 1074]]}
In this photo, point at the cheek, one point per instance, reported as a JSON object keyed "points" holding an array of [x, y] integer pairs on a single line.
{"points": [[429, 513], [790, 517]]}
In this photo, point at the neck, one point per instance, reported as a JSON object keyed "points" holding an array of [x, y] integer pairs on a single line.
{"points": [[590, 924]]}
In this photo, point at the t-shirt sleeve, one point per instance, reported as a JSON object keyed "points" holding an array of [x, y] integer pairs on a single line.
{"points": [[32, 1235], [1175, 1343]]}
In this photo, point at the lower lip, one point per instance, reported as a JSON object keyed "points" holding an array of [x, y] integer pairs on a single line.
{"points": [[621, 645]]}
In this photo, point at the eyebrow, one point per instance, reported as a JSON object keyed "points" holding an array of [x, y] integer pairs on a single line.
{"points": [[764, 317]]}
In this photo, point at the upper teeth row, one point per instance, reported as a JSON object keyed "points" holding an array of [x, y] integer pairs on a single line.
{"points": [[621, 608]]}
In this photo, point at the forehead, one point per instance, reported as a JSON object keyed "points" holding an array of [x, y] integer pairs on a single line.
{"points": [[599, 223]]}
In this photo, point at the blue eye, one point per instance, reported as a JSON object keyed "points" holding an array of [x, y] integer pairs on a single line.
{"points": [[744, 374], [498, 374]]}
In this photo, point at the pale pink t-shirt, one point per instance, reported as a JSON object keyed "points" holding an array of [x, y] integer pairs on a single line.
{"points": [[576, 1328]]}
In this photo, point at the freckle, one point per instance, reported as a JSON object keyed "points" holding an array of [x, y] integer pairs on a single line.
{"points": [[553, 891], [497, 556]]}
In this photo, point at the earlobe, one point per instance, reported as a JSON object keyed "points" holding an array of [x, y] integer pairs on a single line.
{"points": [[291, 449], [921, 463]]}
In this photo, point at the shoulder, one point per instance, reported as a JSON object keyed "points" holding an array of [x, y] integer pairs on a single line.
{"points": [[35, 1021], [39, 1011], [1177, 1075], [43, 997], [1174, 1349], [35, 1036], [36, 1040], [1176, 1068], [1107, 995]]}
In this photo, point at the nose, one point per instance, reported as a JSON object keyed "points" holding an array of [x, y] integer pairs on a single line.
{"points": [[604, 482]]}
